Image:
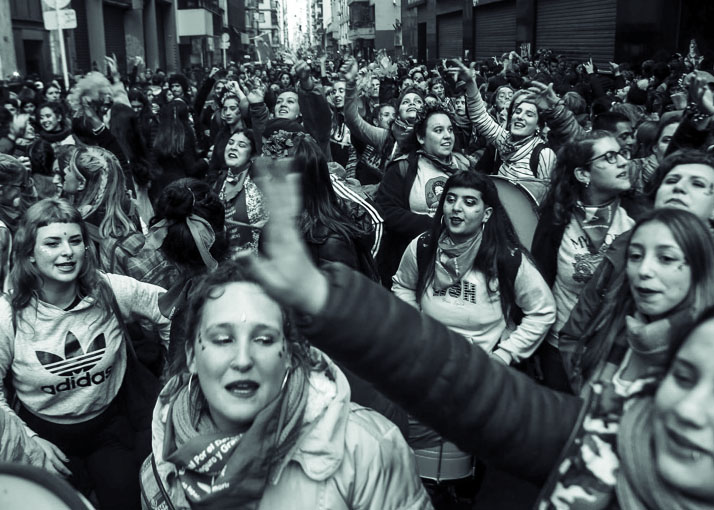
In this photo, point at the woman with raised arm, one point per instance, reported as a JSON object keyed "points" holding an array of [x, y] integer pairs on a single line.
{"points": [[399, 138], [647, 453], [517, 143]]}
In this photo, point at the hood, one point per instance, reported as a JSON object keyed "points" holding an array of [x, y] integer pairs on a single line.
{"points": [[319, 449], [321, 445]]}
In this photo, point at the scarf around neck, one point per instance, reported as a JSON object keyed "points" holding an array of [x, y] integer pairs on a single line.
{"points": [[449, 168], [220, 470], [453, 261], [513, 150], [639, 485], [595, 221]]}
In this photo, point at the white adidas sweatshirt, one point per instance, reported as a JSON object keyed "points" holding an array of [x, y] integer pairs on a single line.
{"points": [[67, 366]]}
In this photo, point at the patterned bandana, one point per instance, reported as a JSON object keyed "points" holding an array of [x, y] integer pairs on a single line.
{"points": [[281, 143], [201, 231], [595, 220]]}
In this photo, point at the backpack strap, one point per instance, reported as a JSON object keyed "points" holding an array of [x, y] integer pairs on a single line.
{"points": [[535, 158]]}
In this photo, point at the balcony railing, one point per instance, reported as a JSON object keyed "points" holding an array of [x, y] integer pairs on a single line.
{"points": [[209, 5]]}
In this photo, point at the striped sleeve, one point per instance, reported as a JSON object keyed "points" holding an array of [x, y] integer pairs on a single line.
{"points": [[342, 191], [484, 124], [546, 162]]}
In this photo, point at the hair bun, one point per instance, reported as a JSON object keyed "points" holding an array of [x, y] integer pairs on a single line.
{"points": [[179, 202]]}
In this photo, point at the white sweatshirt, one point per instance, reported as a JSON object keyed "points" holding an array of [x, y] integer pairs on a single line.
{"points": [[67, 366], [468, 309]]}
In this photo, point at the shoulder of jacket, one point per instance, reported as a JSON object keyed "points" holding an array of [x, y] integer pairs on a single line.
{"points": [[365, 424]]}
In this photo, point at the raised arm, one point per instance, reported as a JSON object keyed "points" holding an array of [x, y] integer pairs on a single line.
{"points": [[373, 135], [486, 408], [476, 108], [563, 125]]}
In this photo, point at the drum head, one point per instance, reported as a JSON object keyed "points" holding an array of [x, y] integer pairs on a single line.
{"points": [[27, 487], [521, 207]]}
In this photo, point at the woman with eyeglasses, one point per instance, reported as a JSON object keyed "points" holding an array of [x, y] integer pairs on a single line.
{"points": [[611, 450], [685, 181], [581, 216]]}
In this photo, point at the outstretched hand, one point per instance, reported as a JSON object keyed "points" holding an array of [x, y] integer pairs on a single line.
{"points": [[543, 95], [349, 70], [256, 94], [589, 66], [302, 70], [285, 270], [701, 91], [465, 73]]}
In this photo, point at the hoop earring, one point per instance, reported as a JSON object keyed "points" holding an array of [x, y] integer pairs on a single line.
{"points": [[285, 379], [190, 378]]}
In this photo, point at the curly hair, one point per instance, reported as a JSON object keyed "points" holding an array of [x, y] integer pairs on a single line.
{"points": [[426, 114], [94, 85]]}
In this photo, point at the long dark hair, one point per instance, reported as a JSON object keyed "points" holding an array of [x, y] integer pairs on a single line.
{"points": [[178, 201], [498, 245], [322, 209], [565, 190], [695, 241], [173, 129]]}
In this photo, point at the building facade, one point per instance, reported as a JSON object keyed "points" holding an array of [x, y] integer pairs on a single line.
{"points": [[607, 30], [167, 34]]}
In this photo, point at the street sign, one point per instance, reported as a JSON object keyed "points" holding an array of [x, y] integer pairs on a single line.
{"points": [[225, 45], [58, 4], [225, 37], [64, 19]]}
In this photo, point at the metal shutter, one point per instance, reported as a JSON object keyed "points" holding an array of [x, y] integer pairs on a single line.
{"points": [[114, 38], [450, 35], [577, 28], [494, 29], [83, 62]]}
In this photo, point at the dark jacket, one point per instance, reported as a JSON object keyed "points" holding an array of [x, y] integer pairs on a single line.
{"points": [[500, 415], [595, 315], [401, 224]]}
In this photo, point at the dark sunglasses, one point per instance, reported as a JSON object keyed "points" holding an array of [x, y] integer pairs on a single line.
{"points": [[611, 156]]}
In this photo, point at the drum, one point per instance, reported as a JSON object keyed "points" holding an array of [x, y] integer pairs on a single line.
{"points": [[23, 487], [521, 207], [443, 462]]}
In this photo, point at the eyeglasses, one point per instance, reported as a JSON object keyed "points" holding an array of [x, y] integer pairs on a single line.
{"points": [[611, 156]]}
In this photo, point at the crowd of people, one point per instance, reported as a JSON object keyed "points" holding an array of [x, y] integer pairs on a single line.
{"points": [[320, 282]]}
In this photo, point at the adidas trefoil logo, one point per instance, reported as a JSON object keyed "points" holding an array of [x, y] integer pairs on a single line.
{"points": [[75, 362]]}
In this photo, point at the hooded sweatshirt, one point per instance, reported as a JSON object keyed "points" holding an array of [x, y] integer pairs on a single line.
{"points": [[68, 365], [346, 457]]}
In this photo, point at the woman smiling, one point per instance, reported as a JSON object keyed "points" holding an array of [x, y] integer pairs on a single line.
{"points": [[410, 191], [63, 346]]}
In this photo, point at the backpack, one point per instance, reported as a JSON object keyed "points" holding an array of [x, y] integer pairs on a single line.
{"points": [[491, 162], [512, 265]]}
